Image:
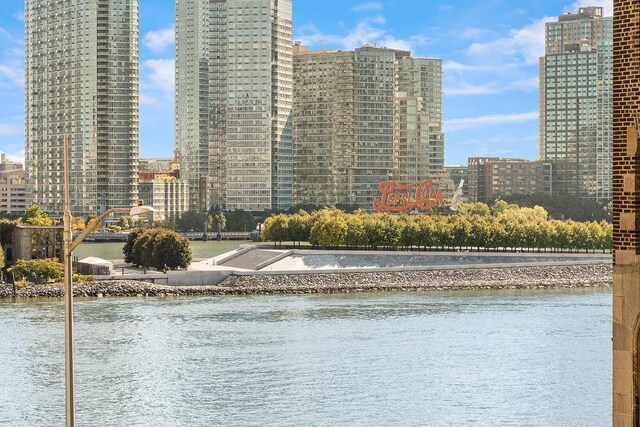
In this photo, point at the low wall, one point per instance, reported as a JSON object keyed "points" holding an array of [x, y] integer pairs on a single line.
{"points": [[539, 277]]}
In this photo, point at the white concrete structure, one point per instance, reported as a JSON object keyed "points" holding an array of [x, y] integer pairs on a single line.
{"points": [[169, 196]]}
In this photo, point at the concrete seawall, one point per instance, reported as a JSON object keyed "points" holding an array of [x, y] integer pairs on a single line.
{"points": [[506, 278]]}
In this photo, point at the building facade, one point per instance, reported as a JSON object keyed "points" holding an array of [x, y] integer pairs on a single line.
{"points": [[626, 214], [576, 103], [234, 99], [324, 127], [81, 63], [151, 169], [170, 197], [355, 128], [493, 177], [13, 191], [458, 173]]}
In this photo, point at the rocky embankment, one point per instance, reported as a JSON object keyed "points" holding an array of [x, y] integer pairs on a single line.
{"points": [[538, 277]]}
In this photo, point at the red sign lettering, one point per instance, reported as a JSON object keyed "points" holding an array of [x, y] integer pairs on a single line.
{"points": [[397, 197]]}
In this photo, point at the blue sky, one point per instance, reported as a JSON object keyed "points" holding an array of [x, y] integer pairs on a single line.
{"points": [[489, 48]]}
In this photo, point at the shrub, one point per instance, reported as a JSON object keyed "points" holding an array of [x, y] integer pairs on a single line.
{"points": [[79, 278], [171, 251], [158, 248], [127, 250], [38, 270]]}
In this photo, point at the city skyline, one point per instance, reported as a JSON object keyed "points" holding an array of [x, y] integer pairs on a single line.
{"points": [[489, 52]]}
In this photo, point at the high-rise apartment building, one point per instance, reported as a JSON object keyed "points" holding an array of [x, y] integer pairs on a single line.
{"points": [[13, 191], [81, 61], [493, 177], [169, 196], [362, 117], [576, 104], [234, 98]]}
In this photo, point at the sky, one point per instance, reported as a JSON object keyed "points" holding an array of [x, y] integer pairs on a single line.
{"points": [[489, 48]]}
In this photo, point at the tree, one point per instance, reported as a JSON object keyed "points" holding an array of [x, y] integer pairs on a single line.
{"points": [[193, 221], [127, 249], [125, 222], [330, 229], [158, 248], [171, 251], [300, 227], [478, 208], [276, 229], [34, 215], [37, 270], [2, 260], [217, 220], [240, 220]]}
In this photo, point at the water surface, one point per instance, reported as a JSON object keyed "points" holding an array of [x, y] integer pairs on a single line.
{"points": [[423, 359]]}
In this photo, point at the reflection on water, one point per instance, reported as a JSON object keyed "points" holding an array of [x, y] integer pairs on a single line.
{"points": [[442, 359]]}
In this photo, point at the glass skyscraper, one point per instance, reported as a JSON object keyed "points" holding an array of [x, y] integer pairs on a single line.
{"points": [[576, 104], [82, 80], [234, 98]]}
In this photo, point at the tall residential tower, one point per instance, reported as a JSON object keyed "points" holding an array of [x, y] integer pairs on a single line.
{"points": [[362, 117], [234, 98], [576, 104], [82, 80]]}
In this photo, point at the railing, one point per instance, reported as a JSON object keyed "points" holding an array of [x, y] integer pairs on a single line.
{"points": [[225, 235]]}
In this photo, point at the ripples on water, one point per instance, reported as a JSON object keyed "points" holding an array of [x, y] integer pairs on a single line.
{"points": [[517, 359]]}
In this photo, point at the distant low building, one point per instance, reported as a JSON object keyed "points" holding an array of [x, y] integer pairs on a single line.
{"points": [[493, 177], [169, 196], [152, 169], [13, 190], [458, 173], [34, 242]]}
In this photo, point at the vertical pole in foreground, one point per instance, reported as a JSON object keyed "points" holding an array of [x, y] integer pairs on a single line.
{"points": [[68, 294]]}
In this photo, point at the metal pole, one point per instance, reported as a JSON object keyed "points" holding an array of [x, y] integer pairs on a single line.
{"points": [[68, 294]]}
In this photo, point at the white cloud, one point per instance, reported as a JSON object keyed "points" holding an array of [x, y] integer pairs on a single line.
{"points": [[473, 33], [501, 139], [476, 68], [367, 6], [162, 74], [9, 129], [367, 31], [14, 74], [529, 84], [160, 40], [470, 90], [146, 99], [526, 43], [455, 125], [607, 4]]}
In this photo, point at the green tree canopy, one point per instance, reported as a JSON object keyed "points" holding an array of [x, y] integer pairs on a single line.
{"points": [[193, 221], [34, 215]]}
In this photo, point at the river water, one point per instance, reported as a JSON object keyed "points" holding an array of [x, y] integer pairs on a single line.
{"points": [[421, 359]]}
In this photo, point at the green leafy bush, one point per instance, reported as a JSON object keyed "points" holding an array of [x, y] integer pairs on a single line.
{"points": [[158, 248], [38, 270]]}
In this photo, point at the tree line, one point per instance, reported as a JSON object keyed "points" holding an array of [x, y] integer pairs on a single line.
{"points": [[479, 226]]}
